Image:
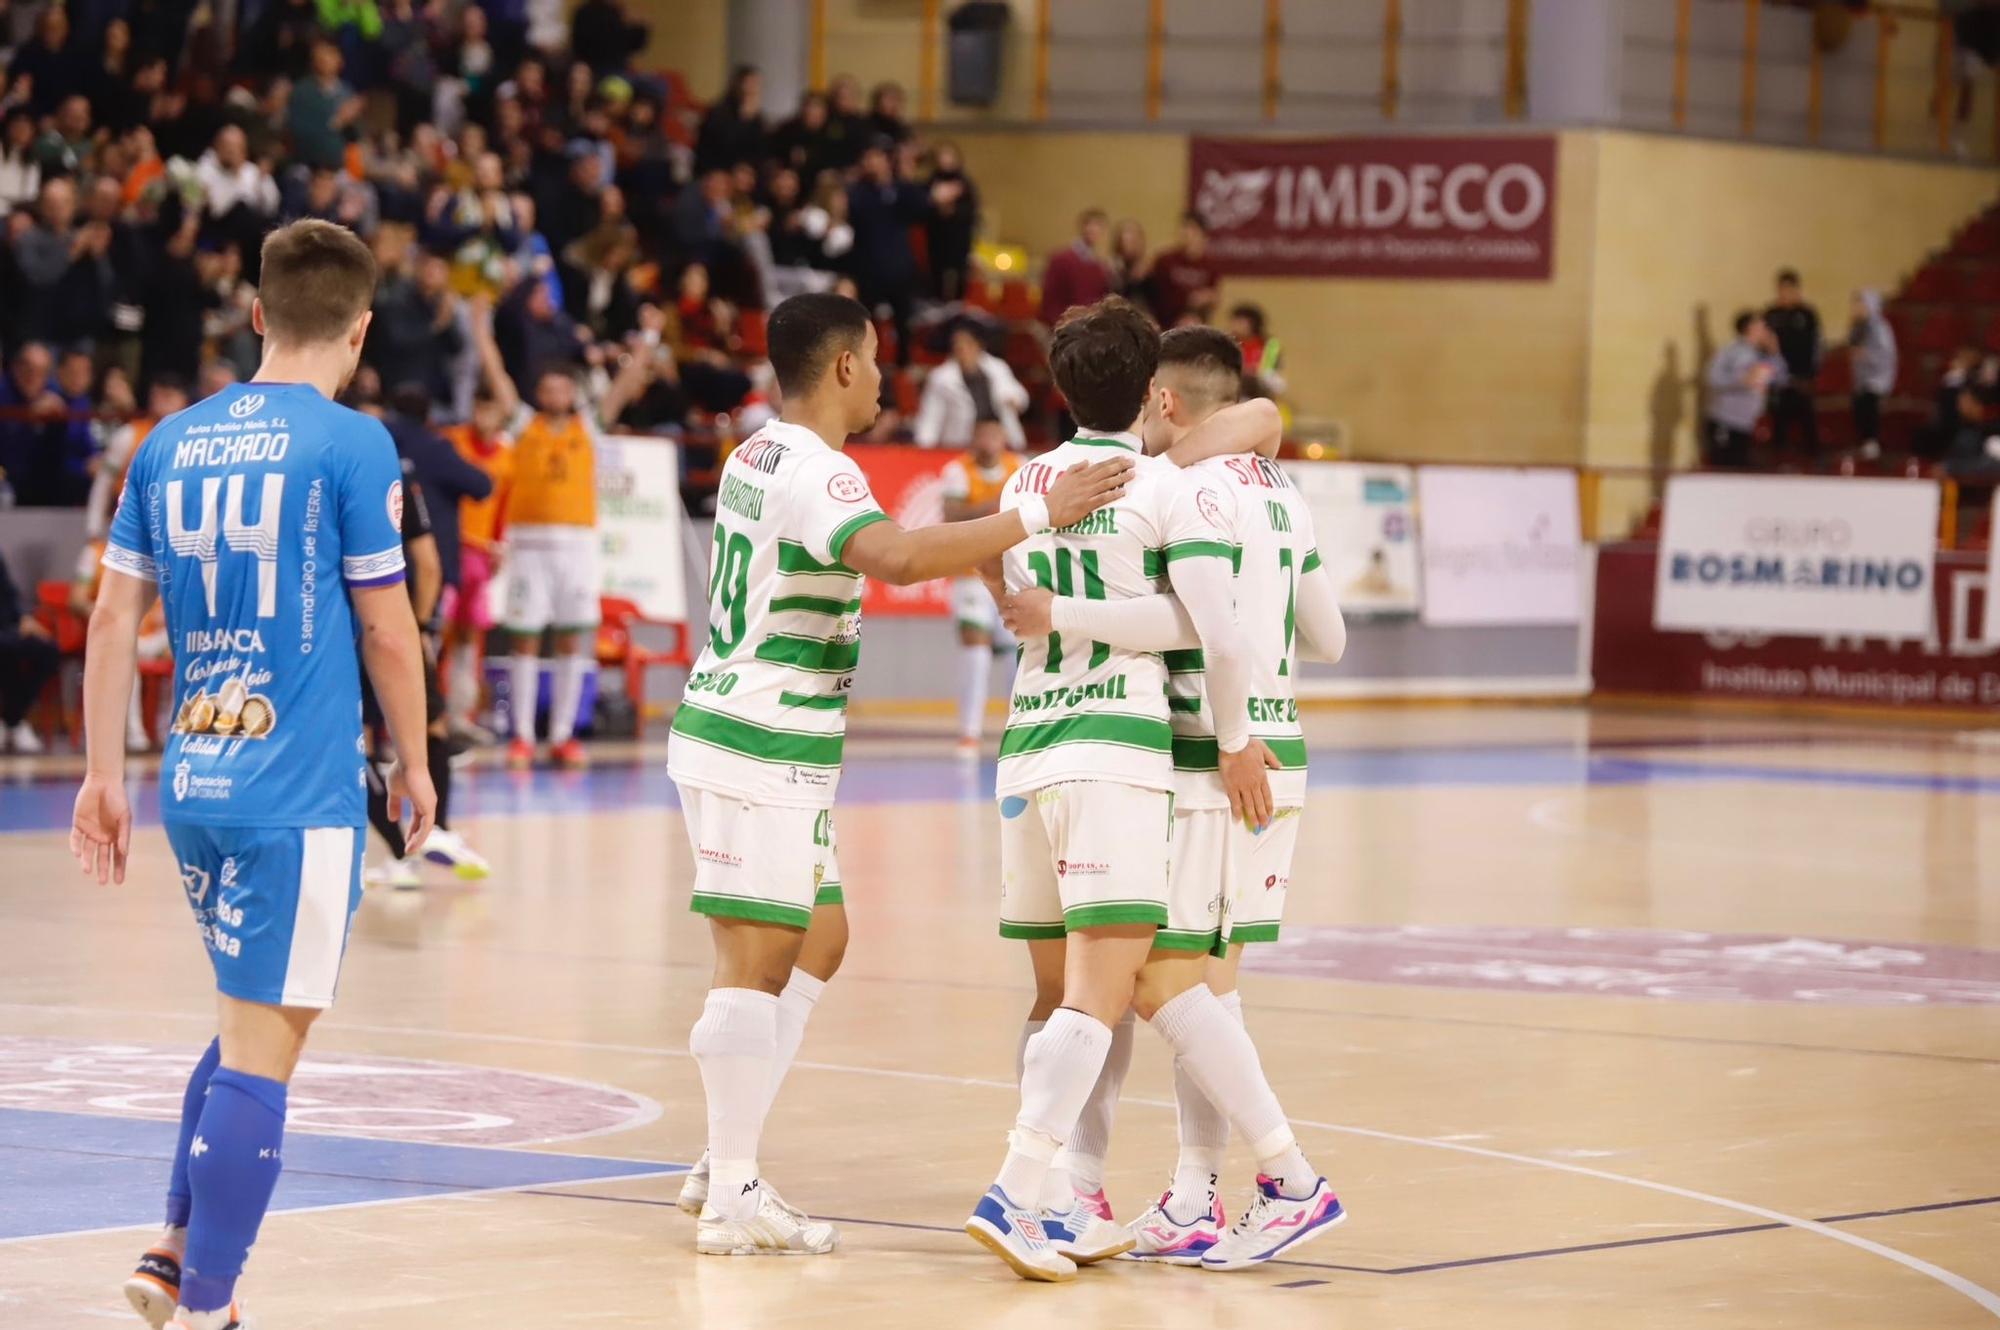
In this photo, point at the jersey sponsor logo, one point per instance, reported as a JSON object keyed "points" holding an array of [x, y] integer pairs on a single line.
{"points": [[1054, 699], [812, 776], [222, 639], [182, 774], [247, 405], [1211, 511], [228, 876], [188, 786], [231, 712], [708, 854], [1103, 522], [760, 455], [847, 487], [1261, 472], [1081, 868], [1273, 710], [1271, 880], [395, 502]]}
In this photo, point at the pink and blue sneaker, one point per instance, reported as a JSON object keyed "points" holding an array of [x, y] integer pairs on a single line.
{"points": [[1158, 1237], [1274, 1223]]}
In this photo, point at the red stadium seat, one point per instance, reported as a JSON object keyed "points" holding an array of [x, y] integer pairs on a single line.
{"points": [[1939, 330], [1836, 373], [754, 328], [1984, 286], [616, 649], [1018, 300], [1933, 282]]}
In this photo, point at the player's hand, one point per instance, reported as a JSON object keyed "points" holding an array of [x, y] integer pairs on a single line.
{"points": [[1029, 612], [415, 786], [1249, 788], [1083, 489], [100, 830]]}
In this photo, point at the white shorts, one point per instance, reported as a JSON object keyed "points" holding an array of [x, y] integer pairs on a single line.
{"points": [[760, 861], [1090, 853], [1255, 904], [972, 606], [552, 578]]}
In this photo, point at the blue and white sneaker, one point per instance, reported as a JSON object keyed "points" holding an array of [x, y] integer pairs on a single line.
{"points": [[1274, 1223], [1160, 1238], [1016, 1235], [1083, 1234]]}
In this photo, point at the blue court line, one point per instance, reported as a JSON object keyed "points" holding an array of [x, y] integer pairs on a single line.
{"points": [[1540, 1253], [620, 786], [75, 1172]]}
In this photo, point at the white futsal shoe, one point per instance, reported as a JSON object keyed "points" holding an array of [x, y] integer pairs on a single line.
{"points": [[694, 1187], [1274, 1224], [1017, 1236], [776, 1229], [446, 847], [1083, 1234], [1158, 1237]]}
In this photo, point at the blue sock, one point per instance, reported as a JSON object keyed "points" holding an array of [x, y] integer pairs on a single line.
{"points": [[233, 1165], [179, 1199]]}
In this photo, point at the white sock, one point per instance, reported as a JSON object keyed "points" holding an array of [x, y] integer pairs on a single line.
{"points": [[524, 680], [795, 1008], [975, 674], [570, 671], [1216, 1051], [1029, 1029], [461, 692], [1204, 1137], [1083, 1156], [1058, 1068], [735, 1044]]}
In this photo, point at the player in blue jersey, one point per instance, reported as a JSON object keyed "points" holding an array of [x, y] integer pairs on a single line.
{"points": [[269, 520]]}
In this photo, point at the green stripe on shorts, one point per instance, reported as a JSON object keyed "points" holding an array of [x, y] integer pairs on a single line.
{"points": [[745, 907], [829, 894], [1174, 939], [1252, 933], [1031, 932], [1111, 913]]}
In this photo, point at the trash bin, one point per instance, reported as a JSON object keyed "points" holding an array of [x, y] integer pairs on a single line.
{"points": [[978, 37]]}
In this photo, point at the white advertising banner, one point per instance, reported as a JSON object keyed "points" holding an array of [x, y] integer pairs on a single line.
{"points": [[1500, 546], [1364, 525], [1797, 554], [639, 519]]}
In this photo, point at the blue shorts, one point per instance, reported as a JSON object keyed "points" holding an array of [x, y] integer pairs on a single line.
{"points": [[274, 905]]}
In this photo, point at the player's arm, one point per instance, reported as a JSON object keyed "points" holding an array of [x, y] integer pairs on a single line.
{"points": [[491, 362], [1204, 587], [426, 576], [100, 834], [394, 657], [891, 554], [1137, 623], [1322, 627], [1254, 426], [633, 376]]}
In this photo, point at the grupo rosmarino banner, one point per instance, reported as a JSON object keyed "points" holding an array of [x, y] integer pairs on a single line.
{"points": [[1459, 207], [1797, 554]]}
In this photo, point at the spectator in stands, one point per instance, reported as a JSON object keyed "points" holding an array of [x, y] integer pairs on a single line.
{"points": [[1263, 353], [952, 224], [322, 109], [603, 37], [1975, 32], [826, 218], [31, 428], [794, 240], [20, 169], [882, 205], [171, 295], [1974, 454], [700, 330], [418, 333], [67, 144], [78, 440], [847, 132], [534, 332], [974, 385], [733, 131], [1186, 281], [1795, 324], [886, 118], [1077, 275], [54, 64], [804, 142], [1961, 371], [1872, 344], [28, 660], [239, 200], [1739, 379], [1131, 266], [65, 270], [166, 396], [281, 39]]}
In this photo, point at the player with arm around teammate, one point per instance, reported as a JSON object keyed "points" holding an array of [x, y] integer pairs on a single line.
{"points": [[757, 741], [268, 519], [1285, 601]]}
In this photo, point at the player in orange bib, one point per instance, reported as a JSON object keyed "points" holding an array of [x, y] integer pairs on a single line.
{"points": [[483, 442], [972, 485], [550, 517]]}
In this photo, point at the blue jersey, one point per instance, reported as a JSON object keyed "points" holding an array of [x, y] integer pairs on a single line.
{"points": [[254, 511]]}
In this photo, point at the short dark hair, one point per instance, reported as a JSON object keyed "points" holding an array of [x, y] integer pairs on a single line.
{"points": [[1092, 215], [411, 400], [1207, 364], [1103, 357], [1254, 313], [1788, 277], [1745, 319], [317, 279], [807, 333]]}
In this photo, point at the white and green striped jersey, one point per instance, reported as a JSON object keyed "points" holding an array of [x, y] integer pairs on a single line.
{"points": [[765, 711], [1086, 710], [1271, 528]]}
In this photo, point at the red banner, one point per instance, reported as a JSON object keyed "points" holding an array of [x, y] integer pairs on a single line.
{"points": [[1378, 207], [1952, 668], [906, 482]]}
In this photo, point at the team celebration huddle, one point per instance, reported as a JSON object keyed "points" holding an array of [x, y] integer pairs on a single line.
{"points": [[1158, 570]]}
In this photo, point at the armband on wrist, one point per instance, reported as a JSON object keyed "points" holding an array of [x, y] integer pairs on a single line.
{"points": [[1034, 511]]}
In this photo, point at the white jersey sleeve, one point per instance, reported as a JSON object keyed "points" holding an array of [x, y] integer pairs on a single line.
{"points": [[831, 503], [1200, 554]]}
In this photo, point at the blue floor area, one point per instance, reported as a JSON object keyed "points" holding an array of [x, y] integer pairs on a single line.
{"points": [[69, 1172], [618, 786]]}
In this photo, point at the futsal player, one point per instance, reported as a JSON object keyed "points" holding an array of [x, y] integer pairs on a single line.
{"points": [[972, 484], [1285, 600], [552, 543], [1086, 768], [756, 744], [268, 518]]}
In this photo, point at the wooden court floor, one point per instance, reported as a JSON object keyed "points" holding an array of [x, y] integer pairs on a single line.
{"points": [[1595, 1018]]}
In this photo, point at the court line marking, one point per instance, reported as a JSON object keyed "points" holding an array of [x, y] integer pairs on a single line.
{"points": [[1983, 1297]]}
